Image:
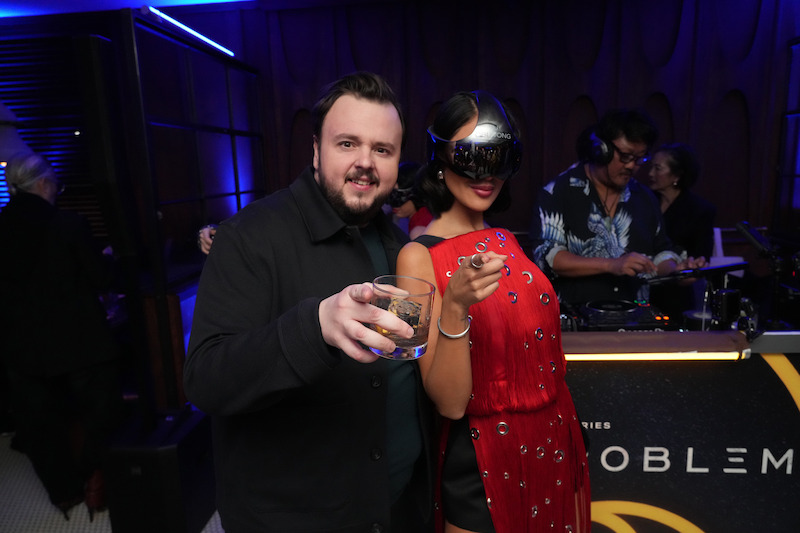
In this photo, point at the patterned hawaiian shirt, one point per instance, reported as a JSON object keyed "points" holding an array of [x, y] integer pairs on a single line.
{"points": [[570, 216]]}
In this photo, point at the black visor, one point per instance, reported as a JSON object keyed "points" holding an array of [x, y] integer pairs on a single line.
{"points": [[492, 149]]}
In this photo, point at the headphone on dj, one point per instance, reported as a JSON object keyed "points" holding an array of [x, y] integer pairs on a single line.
{"points": [[592, 149]]}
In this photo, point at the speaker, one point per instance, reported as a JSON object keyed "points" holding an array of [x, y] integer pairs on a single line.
{"points": [[160, 478]]}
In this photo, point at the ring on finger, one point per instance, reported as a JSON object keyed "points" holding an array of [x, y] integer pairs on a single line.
{"points": [[472, 261]]}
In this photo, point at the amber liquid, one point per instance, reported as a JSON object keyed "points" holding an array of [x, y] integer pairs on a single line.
{"points": [[406, 348]]}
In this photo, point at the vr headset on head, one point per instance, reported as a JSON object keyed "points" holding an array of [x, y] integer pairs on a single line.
{"points": [[492, 149]]}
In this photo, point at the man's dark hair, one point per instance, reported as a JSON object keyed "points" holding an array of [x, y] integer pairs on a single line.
{"points": [[634, 124], [364, 85]]}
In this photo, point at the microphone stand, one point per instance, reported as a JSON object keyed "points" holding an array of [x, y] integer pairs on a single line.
{"points": [[715, 276], [765, 249]]}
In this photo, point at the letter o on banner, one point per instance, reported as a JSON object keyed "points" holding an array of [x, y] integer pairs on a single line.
{"points": [[625, 458]]}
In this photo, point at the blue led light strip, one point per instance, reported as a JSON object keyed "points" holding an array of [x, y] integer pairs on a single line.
{"points": [[189, 30], [5, 197]]}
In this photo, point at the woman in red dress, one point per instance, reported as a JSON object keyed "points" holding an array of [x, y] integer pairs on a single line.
{"points": [[513, 457]]}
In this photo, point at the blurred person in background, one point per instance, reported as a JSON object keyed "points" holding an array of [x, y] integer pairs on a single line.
{"points": [[58, 349], [688, 218], [406, 202]]}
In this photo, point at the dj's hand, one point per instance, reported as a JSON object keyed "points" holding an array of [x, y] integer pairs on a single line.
{"points": [[632, 264], [691, 263]]}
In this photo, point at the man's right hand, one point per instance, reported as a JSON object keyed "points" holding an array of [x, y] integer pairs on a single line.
{"points": [[342, 318], [631, 264]]}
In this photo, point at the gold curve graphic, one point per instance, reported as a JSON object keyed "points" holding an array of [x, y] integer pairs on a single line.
{"points": [[786, 372], [607, 513]]}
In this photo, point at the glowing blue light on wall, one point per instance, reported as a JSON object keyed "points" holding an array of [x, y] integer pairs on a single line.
{"points": [[189, 30], [4, 194], [796, 198]]}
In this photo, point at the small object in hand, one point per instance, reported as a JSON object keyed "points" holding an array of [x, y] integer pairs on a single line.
{"points": [[407, 310], [472, 261]]}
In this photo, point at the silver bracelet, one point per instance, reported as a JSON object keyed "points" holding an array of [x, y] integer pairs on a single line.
{"points": [[448, 335]]}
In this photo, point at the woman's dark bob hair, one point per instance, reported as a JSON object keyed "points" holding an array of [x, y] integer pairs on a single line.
{"points": [[452, 115], [682, 163]]}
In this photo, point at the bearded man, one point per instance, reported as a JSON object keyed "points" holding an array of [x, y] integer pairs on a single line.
{"points": [[307, 437]]}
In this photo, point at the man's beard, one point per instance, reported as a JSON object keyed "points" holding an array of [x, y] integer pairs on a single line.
{"points": [[352, 216], [619, 187], [614, 184]]}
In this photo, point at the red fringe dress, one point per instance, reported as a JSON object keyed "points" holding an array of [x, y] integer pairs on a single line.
{"points": [[525, 431]]}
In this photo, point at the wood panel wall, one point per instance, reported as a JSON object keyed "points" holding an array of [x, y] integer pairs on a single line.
{"points": [[712, 73]]}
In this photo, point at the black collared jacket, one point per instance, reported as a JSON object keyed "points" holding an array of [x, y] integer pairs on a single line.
{"points": [[51, 275], [298, 426]]}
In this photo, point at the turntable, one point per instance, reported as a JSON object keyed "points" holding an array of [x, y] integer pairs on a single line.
{"points": [[620, 315]]}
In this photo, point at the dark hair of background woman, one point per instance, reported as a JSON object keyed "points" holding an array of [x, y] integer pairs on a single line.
{"points": [[682, 163]]}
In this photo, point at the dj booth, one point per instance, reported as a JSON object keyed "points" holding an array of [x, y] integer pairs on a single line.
{"points": [[689, 431], [692, 426]]}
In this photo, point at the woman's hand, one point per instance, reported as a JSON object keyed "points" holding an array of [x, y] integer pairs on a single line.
{"points": [[475, 280]]}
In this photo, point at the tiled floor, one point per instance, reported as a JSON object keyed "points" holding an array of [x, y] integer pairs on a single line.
{"points": [[25, 508]]}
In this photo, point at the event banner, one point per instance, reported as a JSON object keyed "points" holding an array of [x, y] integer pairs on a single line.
{"points": [[692, 446]]}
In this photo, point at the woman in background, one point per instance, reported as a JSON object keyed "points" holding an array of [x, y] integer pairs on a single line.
{"points": [[688, 220]]}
